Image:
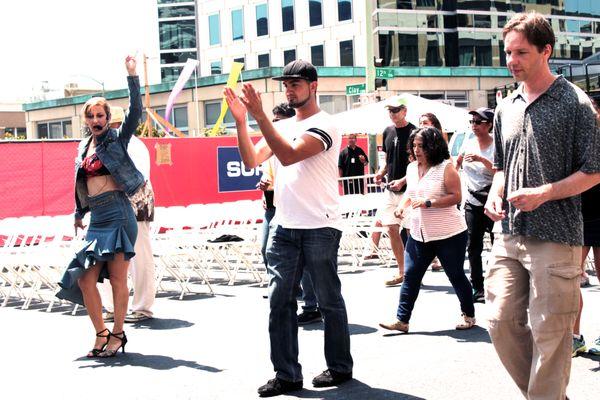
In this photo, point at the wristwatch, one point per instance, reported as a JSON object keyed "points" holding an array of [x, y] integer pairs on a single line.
{"points": [[428, 203]]}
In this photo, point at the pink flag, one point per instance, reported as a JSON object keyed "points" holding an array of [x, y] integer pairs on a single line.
{"points": [[187, 71]]}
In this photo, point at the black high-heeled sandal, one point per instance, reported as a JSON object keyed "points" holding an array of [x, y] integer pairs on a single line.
{"points": [[111, 353], [96, 352]]}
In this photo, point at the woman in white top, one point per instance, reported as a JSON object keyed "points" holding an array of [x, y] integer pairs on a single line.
{"points": [[476, 158], [437, 226]]}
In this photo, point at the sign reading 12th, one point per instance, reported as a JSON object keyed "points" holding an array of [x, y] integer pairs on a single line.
{"points": [[233, 174]]}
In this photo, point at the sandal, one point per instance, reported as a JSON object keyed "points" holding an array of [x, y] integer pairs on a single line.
{"points": [[468, 323], [95, 352], [111, 353]]}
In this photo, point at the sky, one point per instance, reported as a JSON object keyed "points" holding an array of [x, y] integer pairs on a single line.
{"points": [[62, 41]]}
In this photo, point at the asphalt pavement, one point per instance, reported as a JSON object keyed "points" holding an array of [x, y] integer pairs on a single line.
{"points": [[216, 347]]}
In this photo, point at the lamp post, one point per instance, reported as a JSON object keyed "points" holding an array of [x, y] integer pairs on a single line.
{"points": [[101, 83]]}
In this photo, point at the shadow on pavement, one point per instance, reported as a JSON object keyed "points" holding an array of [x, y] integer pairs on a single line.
{"points": [[355, 329], [475, 334], [143, 360], [354, 390], [162, 324]]}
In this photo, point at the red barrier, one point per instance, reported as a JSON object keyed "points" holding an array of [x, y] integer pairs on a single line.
{"points": [[37, 177]]}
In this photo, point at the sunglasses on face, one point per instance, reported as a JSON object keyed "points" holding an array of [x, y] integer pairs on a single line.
{"points": [[395, 110], [477, 121]]}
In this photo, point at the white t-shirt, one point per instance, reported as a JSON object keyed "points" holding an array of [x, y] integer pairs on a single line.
{"points": [[476, 175], [139, 155], [306, 193]]}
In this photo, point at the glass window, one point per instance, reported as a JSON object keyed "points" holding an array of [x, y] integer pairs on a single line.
{"points": [[315, 12], [289, 56], [287, 15], [177, 57], [482, 21], [172, 1], [179, 118], [177, 34], [346, 53], [316, 55], [262, 20], [216, 68], [408, 49], [344, 10], [214, 29], [333, 104], [237, 24], [42, 129], [179, 11], [170, 74], [264, 60], [475, 49]]}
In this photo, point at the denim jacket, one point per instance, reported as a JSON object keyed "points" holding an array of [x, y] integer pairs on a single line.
{"points": [[111, 148]]}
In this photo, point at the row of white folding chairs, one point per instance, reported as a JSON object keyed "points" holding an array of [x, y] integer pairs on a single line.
{"points": [[32, 256], [183, 250]]}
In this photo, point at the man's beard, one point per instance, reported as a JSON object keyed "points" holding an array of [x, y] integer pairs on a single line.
{"points": [[299, 104]]}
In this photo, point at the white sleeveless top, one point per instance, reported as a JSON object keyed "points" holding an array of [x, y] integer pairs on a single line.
{"points": [[429, 224]]}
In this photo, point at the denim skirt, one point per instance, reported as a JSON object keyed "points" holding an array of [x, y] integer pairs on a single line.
{"points": [[112, 229]]}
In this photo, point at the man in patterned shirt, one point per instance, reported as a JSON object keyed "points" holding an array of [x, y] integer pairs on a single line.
{"points": [[543, 161]]}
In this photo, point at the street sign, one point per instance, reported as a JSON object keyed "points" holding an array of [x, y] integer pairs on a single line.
{"points": [[352, 90], [384, 73]]}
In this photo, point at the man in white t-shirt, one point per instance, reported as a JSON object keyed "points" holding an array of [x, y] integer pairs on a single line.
{"points": [[306, 228]]}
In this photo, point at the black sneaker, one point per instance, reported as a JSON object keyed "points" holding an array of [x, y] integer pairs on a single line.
{"points": [[277, 386], [309, 317], [331, 378], [479, 296]]}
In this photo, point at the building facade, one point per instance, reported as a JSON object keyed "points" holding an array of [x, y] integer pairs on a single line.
{"points": [[449, 50]]}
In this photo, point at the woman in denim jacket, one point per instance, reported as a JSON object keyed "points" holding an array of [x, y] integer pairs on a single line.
{"points": [[104, 176]]}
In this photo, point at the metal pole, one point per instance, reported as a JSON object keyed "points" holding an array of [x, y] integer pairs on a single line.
{"points": [[196, 101], [147, 97], [369, 66]]}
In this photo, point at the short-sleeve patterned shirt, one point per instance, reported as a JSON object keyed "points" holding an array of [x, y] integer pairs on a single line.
{"points": [[543, 142]]}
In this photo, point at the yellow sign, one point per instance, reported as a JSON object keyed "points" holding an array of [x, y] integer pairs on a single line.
{"points": [[234, 74]]}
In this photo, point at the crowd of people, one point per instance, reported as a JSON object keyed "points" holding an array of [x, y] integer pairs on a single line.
{"points": [[523, 172]]}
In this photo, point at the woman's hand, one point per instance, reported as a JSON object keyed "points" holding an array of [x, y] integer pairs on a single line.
{"points": [[237, 108], [131, 64], [78, 224], [418, 202], [399, 212]]}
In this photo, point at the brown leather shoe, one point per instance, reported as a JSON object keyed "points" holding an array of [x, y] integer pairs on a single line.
{"points": [[468, 323], [396, 326], [396, 280]]}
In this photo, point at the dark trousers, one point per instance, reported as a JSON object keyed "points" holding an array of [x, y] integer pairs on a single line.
{"points": [[477, 224], [418, 256]]}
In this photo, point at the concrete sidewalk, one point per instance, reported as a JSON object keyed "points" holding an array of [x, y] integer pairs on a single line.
{"points": [[217, 348]]}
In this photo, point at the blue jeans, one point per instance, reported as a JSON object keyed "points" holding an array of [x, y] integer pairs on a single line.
{"points": [[290, 251], [269, 214], [308, 292], [418, 256]]}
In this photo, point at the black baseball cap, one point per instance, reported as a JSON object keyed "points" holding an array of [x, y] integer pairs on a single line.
{"points": [[298, 69], [484, 112]]}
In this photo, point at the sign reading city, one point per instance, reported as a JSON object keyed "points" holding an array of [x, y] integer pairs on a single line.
{"points": [[352, 90], [233, 174], [384, 73]]}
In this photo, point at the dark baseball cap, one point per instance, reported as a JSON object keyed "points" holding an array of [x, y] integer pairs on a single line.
{"points": [[484, 112], [298, 69]]}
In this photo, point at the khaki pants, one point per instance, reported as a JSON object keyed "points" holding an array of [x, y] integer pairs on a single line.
{"points": [[142, 274], [526, 273]]}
